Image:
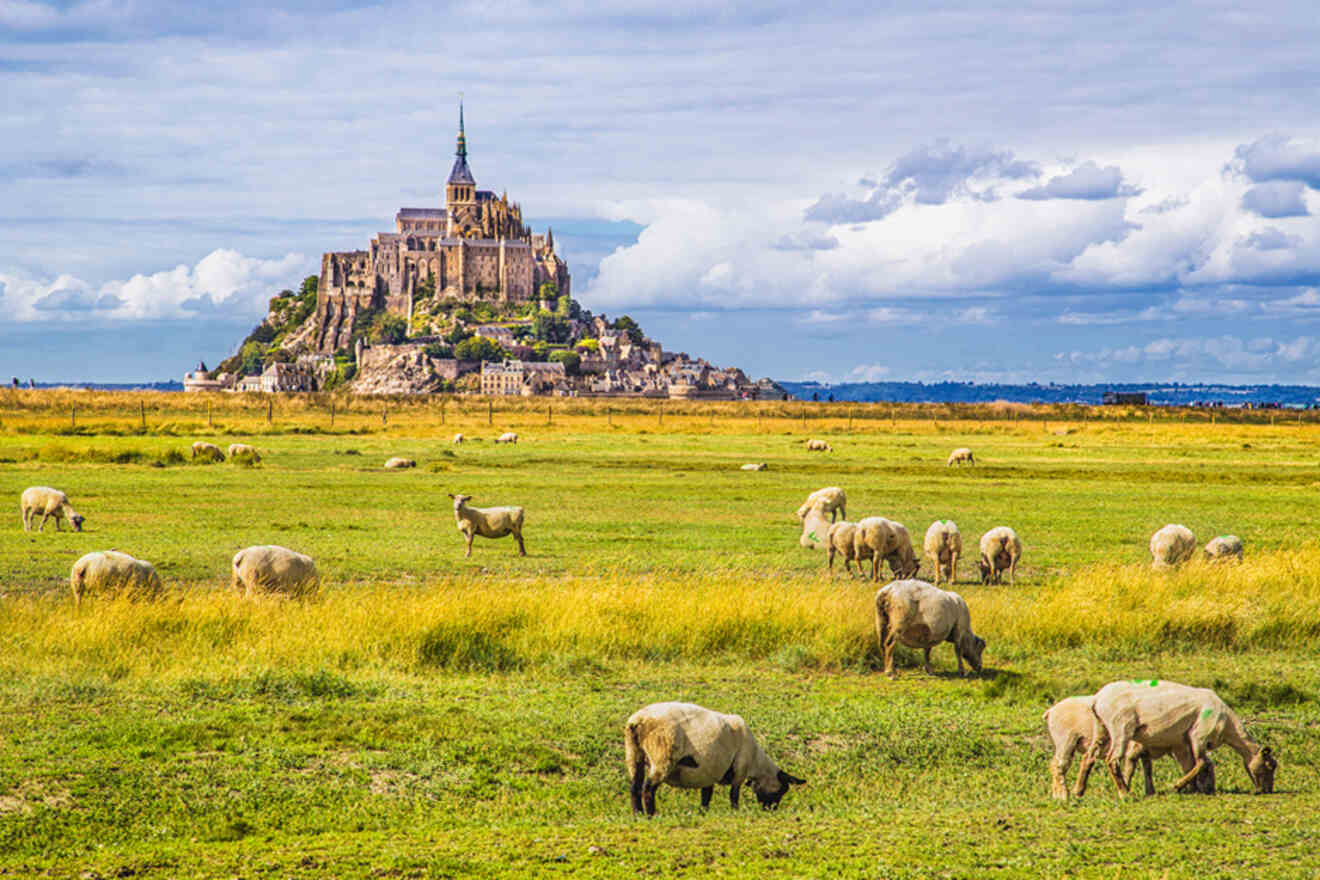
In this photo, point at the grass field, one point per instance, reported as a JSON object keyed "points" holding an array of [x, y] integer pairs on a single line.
{"points": [[433, 716]]}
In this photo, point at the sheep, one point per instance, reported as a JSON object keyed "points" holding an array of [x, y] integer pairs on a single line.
{"points": [[943, 544], [397, 463], [507, 437], [110, 570], [819, 446], [1172, 545], [841, 538], [960, 456], [1165, 715], [883, 540], [489, 522], [753, 466], [833, 500], [1224, 548], [1072, 724], [1000, 549], [243, 452], [207, 451], [273, 569], [688, 746], [921, 615], [458, 438], [815, 528], [49, 503]]}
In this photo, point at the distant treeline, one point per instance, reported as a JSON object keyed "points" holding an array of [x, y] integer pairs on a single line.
{"points": [[1159, 394]]}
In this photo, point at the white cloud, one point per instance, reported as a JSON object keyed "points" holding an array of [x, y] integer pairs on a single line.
{"points": [[868, 373]]}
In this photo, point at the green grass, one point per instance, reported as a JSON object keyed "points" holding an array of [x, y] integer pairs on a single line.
{"points": [[432, 716]]}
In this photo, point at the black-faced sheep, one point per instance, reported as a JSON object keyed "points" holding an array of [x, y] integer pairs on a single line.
{"points": [[819, 446], [921, 615], [883, 540], [1224, 548], [960, 456], [1000, 551], [49, 503], [242, 452], [208, 451], [400, 463]]}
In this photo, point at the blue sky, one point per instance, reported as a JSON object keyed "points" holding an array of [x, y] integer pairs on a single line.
{"points": [[1056, 191]]}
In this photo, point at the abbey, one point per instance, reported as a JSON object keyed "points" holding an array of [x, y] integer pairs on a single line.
{"points": [[474, 248]]}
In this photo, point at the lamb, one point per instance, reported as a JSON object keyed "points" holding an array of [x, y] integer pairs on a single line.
{"points": [[1165, 715], [815, 528], [689, 746], [207, 450], [489, 522], [458, 438], [819, 446], [943, 544], [1072, 724], [49, 503], [841, 538], [832, 499], [110, 570], [1224, 548], [960, 456], [921, 615], [1172, 545], [507, 437], [244, 452], [753, 466], [883, 540], [398, 463], [1000, 549], [273, 569]]}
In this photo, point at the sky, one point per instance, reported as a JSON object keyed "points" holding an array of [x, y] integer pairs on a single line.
{"points": [[1035, 191]]}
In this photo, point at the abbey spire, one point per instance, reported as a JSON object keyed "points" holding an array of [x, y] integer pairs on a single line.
{"points": [[460, 175]]}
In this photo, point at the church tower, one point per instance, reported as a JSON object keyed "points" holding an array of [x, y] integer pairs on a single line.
{"points": [[461, 190]]}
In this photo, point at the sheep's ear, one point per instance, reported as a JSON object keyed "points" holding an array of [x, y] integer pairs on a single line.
{"points": [[451, 494], [785, 779]]}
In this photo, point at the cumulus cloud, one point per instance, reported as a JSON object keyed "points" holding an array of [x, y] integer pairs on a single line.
{"points": [[223, 280], [1246, 359], [1271, 239], [805, 240], [1277, 198], [1276, 157], [1087, 181]]}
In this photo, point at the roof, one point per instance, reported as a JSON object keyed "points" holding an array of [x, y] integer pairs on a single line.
{"points": [[423, 213], [460, 173]]}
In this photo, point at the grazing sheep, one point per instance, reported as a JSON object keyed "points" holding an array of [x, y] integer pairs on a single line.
{"points": [[1166, 715], [207, 451], [1000, 549], [458, 438], [921, 615], [832, 499], [841, 538], [112, 571], [1224, 548], [756, 466], [1172, 545], [489, 522], [883, 540], [397, 463], [243, 452], [819, 446], [943, 544], [273, 569], [507, 437], [815, 528], [48, 502], [960, 456], [687, 746], [1072, 724]]}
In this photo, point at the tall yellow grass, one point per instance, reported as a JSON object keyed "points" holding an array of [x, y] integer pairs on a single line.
{"points": [[1272, 600]]}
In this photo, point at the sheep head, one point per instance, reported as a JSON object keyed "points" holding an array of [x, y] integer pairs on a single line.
{"points": [[460, 500], [1262, 769], [987, 571], [971, 648], [769, 798], [76, 521]]}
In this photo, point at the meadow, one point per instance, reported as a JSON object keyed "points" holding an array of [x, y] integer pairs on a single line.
{"points": [[434, 716]]}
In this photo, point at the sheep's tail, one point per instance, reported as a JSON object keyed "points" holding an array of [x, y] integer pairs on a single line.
{"points": [[636, 762]]}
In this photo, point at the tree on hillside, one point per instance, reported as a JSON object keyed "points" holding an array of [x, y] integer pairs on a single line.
{"points": [[388, 329], [569, 359], [630, 327], [479, 348]]}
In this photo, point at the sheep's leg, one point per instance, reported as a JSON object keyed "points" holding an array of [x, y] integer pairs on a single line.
{"points": [[1116, 760], [734, 791], [638, 783], [706, 794], [829, 558], [522, 551], [469, 536], [42, 527], [926, 658], [648, 798], [1012, 573], [953, 568], [1145, 767]]}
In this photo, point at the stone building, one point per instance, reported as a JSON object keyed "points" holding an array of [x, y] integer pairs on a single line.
{"points": [[520, 377], [474, 248]]}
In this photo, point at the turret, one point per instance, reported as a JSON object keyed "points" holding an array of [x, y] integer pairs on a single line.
{"points": [[462, 188]]}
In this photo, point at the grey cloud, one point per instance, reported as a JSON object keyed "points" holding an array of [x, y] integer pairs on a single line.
{"points": [[806, 240], [868, 183], [60, 169], [1275, 157], [1271, 239], [203, 304], [937, 172], [1172, 203], [1277, 198], [67, 300], [838, 208], [1087, 181]]}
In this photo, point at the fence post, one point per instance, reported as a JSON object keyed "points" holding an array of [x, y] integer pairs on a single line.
{"points": [[73, 418], [442, 411], [384, 414], [332, 413], [662, 412], [142, 413], [209, 423], [547, 414], [490, 411], [850, 417]]}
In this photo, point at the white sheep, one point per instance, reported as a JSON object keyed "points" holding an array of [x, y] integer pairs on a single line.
{"points": [[1165, 715], [112, 571], [1224, 548], [243, 452], [921, 615], [49, 503], [819, 446], [207, 451], [458, 438], [507, 437], [489, 522], [1000, 550], [1072, 725], [883, 540], [271, 568], [832, 499], [688, 746], [399, 463], [960, 456], [753, 466], [943, 544], [815, 528], [1171, 545], [841, 538]]}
